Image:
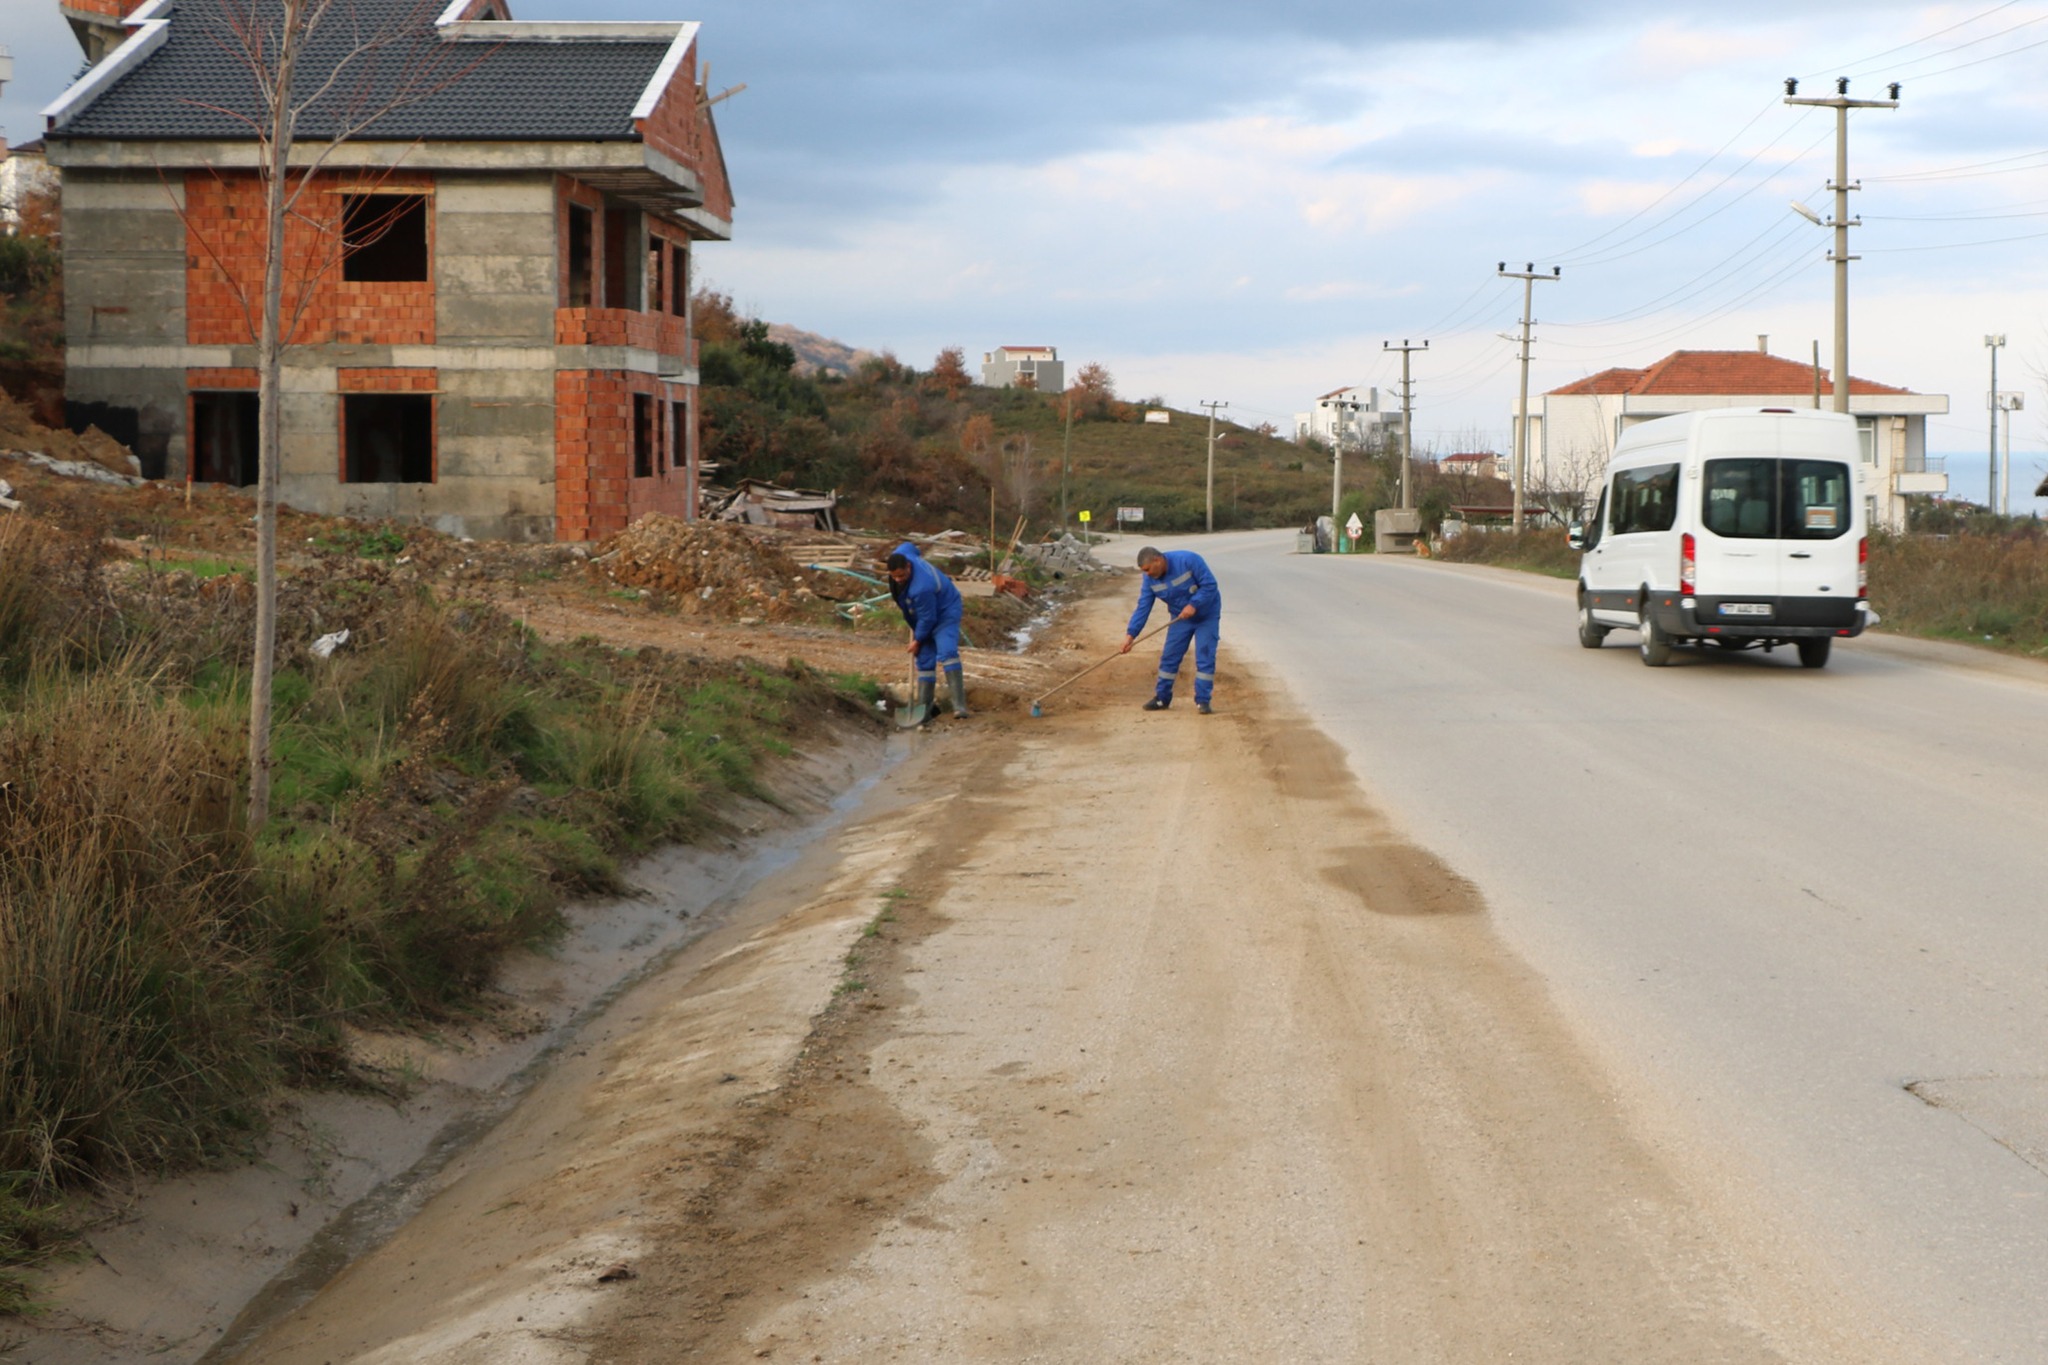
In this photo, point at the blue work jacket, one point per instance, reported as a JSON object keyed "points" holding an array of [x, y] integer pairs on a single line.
{"points": [[1187, 580], [927, 599]]}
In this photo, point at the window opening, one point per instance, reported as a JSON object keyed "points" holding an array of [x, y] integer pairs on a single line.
{"points": [[224, 438], [657, 297], [579, 256], [643, 436], [1645, 499], [384, 237], [679, 281], [389, 437], [678, 435]]}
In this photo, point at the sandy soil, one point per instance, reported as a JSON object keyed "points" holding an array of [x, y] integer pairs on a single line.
{"points": [[1108, 1036]]}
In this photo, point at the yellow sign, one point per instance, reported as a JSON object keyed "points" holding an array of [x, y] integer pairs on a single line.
{"points": [[1084, 516]]}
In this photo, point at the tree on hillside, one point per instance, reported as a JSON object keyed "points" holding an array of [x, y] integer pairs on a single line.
{"points": [[713, 319], [1093, 392], [949, 372]]}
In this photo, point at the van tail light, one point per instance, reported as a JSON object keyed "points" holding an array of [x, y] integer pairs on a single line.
{"points": [[1688, 564], [1863, 568]]}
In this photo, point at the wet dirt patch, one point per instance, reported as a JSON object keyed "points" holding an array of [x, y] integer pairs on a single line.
{"points": [[1401, 879]]}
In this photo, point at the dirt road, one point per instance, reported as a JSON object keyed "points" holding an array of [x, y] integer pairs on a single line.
{"points": [[1105, 1037]]}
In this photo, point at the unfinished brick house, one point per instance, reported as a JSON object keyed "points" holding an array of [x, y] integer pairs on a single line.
{"points": [[494, 275]]}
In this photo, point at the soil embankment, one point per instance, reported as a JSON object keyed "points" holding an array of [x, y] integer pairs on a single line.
{"points": [[1110, 1036]]}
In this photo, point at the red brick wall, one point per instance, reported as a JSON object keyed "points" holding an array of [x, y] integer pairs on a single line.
{"points": [[595, 491], [680, 128], [224, 265]]}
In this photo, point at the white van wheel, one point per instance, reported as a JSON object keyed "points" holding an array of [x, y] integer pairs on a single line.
{"points": [[1591, 632], [1655, 644], [1813, 651]]}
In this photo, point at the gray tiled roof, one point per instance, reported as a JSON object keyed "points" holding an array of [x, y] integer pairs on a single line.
{"points": [[566, 90]]}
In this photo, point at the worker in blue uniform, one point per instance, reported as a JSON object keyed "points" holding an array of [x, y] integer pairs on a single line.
{"points": [[931, 605], [1181, 580]]}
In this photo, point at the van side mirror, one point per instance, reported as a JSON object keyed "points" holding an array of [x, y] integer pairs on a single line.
{"points": [[1575, 535]]}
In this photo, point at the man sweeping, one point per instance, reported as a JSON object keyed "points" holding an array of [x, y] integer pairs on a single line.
{"points": [[931, 605], [1181, 580]]}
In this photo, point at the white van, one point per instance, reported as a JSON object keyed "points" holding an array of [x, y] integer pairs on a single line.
{"points": [[1733, 527]]}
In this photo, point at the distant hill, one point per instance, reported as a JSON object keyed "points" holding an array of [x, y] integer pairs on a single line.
{"points": [[816, 354]]}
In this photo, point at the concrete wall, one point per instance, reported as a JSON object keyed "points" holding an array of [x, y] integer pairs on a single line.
{"points": [[124, 306]]}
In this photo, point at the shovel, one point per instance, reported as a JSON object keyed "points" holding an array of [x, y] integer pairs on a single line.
{"points": [[912, 713]]}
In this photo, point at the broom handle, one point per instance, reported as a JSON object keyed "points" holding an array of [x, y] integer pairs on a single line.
{"points": [[1100, 662]]}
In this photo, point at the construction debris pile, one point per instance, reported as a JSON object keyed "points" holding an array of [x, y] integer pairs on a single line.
{"points": [[1062, 557], [767, 504], [708, 569], [93, 455]]}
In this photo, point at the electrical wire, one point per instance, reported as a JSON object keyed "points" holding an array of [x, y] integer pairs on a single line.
{"points": [[1564, 257], [1969, 170], [1925, 37], [1953, 246]]}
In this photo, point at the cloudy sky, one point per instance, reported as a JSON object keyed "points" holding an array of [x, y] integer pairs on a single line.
{"points": [[1219, 203]]}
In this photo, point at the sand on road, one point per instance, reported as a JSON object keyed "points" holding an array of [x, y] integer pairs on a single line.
{"points": [[1110, 1036]]}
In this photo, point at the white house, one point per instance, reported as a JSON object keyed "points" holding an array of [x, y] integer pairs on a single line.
{"points": [[1479, 464], [1570, 437], [1034, 367], [1345, 417]]}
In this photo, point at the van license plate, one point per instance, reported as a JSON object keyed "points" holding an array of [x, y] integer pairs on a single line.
{"points": [[1745, 609]]}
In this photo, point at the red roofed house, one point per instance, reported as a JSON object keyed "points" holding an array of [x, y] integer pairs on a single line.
{"points": [[1570, 438], [1478, 464], [495, 337]]}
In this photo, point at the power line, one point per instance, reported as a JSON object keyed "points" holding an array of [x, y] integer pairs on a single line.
{"points": [[1934, 56], [1571, 252], [1969, 170], [1623, 255], [1925, 37], [1955, 246]]}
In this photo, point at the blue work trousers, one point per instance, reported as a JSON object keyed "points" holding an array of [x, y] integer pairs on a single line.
{"points": [[941, 649], [1204, 635]]}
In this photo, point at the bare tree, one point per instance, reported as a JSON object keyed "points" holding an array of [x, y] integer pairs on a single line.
{"points": [[269, 40]]}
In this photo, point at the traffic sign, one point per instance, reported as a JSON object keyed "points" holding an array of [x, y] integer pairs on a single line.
{"points": [[1354, 526], [1084, 517]]}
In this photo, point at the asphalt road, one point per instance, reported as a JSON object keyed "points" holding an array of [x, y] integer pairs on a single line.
{"points": [[1797, 915]]}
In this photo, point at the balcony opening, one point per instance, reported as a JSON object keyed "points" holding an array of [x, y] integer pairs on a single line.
{"points": [[384, 237], [224, 438], [643, 436], [388, 437], [625, 264], [580, 269]]}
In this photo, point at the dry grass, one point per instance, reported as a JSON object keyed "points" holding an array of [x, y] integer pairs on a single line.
{"points": [[129, 999], [1543, 551], [1991, 589]]}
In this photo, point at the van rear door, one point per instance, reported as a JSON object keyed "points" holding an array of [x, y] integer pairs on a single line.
{"points": [[1817, 557], [1738, 557]]}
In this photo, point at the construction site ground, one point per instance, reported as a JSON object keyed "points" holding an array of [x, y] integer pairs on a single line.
{"points": [[1110, 1035]]}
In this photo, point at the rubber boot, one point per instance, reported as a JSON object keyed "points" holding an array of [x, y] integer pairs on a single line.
{"points": [[925, 688], [956, 680]]}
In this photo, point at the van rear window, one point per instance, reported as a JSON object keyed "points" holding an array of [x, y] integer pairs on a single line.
{"points": [[1764, 499]]}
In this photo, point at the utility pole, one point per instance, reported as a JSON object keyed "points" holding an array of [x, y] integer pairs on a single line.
{"points": [[1066, 461], [1841, 104], [1992, 343], [1407, 414], [1347, 420], [1528, 276], [1210, 495]]}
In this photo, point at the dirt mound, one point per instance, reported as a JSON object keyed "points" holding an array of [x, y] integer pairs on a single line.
{"points": [[19, 430], [707, 569]]}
